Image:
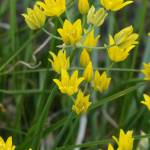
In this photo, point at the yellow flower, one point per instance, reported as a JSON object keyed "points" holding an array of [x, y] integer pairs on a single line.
{"points": [[68, 85], [84, 58], [117, 54], [146, 71], [88, 72], [53, 7], [122, 43], [8, 145], [101, 82], [149, 34], [110, 147], [114, 5], [90, 40], [34, 18], [125, 141], [71, 33], [83, 6], [60, 61], [96, 18], [125, 38], [146, 101], [81, 103]]}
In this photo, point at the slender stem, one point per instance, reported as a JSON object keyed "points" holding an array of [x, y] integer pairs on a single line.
{"points": [[109, 67], [82, 46], [72, 68], [60, 20], [51, 35]]}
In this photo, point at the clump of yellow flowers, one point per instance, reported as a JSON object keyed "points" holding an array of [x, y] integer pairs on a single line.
{"points": [[124, 142], [78, 36]]}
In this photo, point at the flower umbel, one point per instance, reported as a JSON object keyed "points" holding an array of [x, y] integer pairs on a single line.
{"points": [[114, 5], [96, 18], [84, 58], [83, 6], [71, 33], [146, 71], [101, 82], [122, 43], [125, 141], [146, 101], [53, 7], [8, 145], [59, 62], [34, 18], [69, 84], [90, 40], [88, 72], [81, 103]]}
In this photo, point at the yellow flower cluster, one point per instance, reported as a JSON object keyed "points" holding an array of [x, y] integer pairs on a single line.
{"points": [[124, 142], [79, 35], [72, 35]]}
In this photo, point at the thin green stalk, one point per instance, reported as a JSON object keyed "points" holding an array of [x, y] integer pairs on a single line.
{"points": [[70, 134], [52, 35], [60, 20], [60, 135], [11, 58], [71, 68], [39, 127]]}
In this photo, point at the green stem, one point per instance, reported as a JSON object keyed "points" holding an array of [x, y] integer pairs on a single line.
{"points": [[51, 35], [60, 136], [39, 127], [60, 20]]}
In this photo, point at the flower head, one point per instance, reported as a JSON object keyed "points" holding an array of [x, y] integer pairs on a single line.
{"points": [[83, 6], [60, 61], [8, 145], [146, 101], [69, 84], [90, 40], [34, 18], [96, 18], [71, 33], [88, 72], [114, 5], [53, 7], [84, 58], [122, 43], [149, 34], [81, 103], [146, 71], [125, 141], [101, 82]]}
